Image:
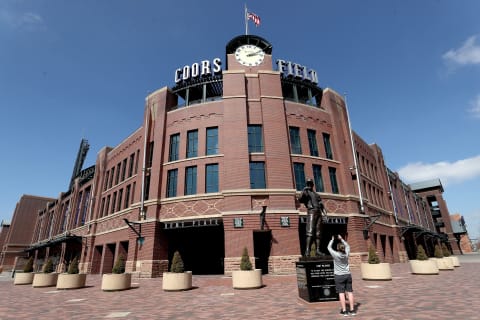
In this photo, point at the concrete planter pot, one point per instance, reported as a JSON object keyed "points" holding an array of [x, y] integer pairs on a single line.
{"points": [[41, 280], [71, 281], [424, 267], [454, 260], [378, 271], [443, 263], [23, 278], [247, 279], [116, 282], [173, 281]]}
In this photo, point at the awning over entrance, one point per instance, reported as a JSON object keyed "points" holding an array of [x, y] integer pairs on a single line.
{"points": [[418, 231], [49, 243]]}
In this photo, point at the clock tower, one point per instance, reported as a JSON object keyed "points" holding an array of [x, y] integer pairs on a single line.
{"points": [[249, 52]]}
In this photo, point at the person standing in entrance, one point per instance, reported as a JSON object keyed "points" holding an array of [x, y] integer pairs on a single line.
{"points": [[341, 271], [315, 210]]}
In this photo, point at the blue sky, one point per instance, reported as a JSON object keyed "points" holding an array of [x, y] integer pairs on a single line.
{"points": [[81, 69]]}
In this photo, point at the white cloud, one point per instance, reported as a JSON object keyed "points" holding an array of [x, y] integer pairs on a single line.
{"points": [[468, 53], [25, 21], [475, 109], [448, 172]]}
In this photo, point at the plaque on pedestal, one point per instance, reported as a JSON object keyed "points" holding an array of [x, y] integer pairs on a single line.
{"points": [[315, 280]]}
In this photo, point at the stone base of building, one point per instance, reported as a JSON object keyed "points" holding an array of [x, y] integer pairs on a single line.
{"points": [[403, 256], [276, 264], [282, 264], [147, 268]]}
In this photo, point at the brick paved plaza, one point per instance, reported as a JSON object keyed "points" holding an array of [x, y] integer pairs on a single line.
{"points": [[449, 295]]}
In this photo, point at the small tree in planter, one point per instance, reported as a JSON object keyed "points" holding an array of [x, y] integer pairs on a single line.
{"points": [[48, 267], [442, 262], [119, 266], [118, 279], [421, 255], [73, 279], [374, 269], [73, 267], [423, 265], [177, 263], [47, 278], [177, 279], [372, 256], [245, 263], [247, 277], [25, 277], [445, 251], [438, 252]]}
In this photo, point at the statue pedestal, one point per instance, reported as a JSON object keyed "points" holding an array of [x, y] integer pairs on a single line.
{"points": [[315, 279]]}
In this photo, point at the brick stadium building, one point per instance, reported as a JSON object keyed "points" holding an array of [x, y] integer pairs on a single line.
{"points": [[218, 165]]}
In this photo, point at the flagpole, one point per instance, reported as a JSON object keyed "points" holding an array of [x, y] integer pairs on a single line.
{"points": [[246, 20]]}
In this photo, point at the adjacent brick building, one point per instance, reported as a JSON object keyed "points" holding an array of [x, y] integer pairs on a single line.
{"points": [[218, 165], [19, 234]]}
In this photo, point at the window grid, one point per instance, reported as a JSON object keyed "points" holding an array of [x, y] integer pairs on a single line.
{"points": [[255, 138], [295, 140], [257, 175], [312, 142]]}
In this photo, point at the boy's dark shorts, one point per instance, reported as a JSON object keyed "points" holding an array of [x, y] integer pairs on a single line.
{"points": [[343, 283]]}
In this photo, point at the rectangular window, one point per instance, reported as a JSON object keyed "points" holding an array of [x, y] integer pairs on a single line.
{"points": [[127, 196], [295, 140], [312, 142], [107, 205], [105, 186], [114, 201], [255, 138], [299, 172], [112, 174], [85, 206], [172, 176], [130, 165], [151, 146], [333, 179], [212, 141], [257, 175], [119, 165], [211, 178], [119, 201], [192, 143], [328, 146], [124, 169], [174, 147], [190, 180], [317, 178]]}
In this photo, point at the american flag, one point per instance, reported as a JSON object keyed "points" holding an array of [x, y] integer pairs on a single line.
{"points": [[256, 19]]}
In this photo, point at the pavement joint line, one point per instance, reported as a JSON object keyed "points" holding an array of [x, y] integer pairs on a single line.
{"points": [[55, 291], [117, 314], [76, 300], [227, 294]]}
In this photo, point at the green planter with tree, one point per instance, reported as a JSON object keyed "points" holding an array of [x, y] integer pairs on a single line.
{"points": [[177, 279], [247, 277], [25, 277], [73, 279], [374, 269], [46, 278], [423, 265], [117, 280]]}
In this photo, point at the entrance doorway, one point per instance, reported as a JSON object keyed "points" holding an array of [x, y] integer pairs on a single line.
{"points": [[202, 248], [262, 243]]}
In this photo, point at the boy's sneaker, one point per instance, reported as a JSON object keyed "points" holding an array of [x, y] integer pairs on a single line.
{"points": [[345, 313], [352, 312]]}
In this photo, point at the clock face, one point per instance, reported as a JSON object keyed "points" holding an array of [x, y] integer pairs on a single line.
{"points": [[249, 55]]}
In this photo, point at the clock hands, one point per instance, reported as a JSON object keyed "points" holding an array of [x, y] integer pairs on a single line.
{"points": [[251, 54]]}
